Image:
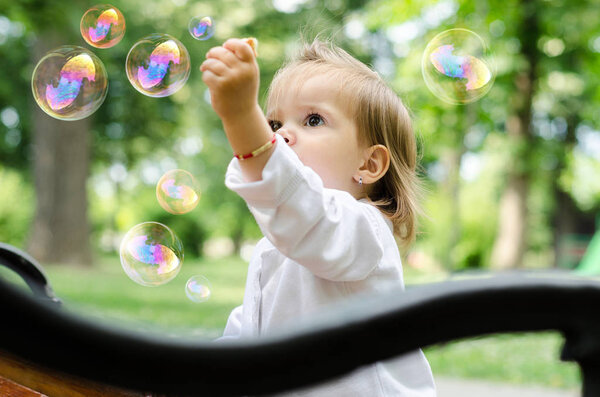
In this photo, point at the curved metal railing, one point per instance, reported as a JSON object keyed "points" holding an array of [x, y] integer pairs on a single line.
{"points": [[361, 331]]}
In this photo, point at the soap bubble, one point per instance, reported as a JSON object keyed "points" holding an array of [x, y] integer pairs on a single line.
{"points": [[102, 26], [201, 28], [151, 254], [177, 192], [69, 83], [198, 289], [457, 66], [158, 65]]}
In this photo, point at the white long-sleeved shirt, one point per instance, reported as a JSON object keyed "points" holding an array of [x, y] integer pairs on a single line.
{"points": [[321, 245]]}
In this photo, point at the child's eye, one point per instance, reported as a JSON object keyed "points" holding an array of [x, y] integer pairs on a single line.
{"points": [[275, 125], [314, 120]]}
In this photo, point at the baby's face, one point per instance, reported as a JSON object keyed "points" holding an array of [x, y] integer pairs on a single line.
{"points": [[316, 124]]}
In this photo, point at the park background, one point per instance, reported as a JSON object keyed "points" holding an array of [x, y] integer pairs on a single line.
{"points": [[511, 180]]}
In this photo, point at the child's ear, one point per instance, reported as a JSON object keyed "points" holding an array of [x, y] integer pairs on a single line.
{"points": [[375, 165]]}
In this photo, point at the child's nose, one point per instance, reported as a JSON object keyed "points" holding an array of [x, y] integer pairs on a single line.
{"points": [[288, 136]]}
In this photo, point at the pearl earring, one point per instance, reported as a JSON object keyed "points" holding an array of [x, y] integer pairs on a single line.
{"points": [[360, 180]]}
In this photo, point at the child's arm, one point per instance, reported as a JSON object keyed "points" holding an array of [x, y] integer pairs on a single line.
{"points": [[325, 230], [232, 76], [331, 234]]}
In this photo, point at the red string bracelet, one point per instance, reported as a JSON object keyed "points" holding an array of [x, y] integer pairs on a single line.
{"points": [[258, 151]]}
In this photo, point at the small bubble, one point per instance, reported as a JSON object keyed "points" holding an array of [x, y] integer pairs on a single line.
{"points": [[198, 289], [158, 65], [457, 66], [177, 192], [201, 28], [102, 26]]}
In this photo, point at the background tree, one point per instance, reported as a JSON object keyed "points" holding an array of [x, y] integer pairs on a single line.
{"points": [[60, 159], [514, 128]]}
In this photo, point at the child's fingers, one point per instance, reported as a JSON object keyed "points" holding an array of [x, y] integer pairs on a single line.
{"points": [[209, 78], [240, 48], [222, 54], [253, 43], [215, 66]]}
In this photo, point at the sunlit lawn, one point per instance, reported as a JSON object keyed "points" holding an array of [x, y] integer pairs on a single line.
{"points": [[104, 292], [524, 359]]}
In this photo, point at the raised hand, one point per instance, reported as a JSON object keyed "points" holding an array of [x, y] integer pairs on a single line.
{"points": [[232, 76], [231, 73]]}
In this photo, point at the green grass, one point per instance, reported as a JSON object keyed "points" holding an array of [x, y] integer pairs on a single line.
{"points": [[524, 358], [531, 359], [105, 293]]}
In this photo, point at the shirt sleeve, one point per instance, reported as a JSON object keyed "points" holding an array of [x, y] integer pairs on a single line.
{"points": [[233, 329], [328, 231]]}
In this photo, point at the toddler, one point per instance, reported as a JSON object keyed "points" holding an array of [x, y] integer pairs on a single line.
{"points": [[329, 175]]}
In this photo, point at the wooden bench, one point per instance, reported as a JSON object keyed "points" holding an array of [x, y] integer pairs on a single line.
{"points": [[67, 351]]}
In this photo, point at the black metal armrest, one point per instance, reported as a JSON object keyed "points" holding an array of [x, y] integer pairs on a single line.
{"points": [[358, 332], [29, 270]]}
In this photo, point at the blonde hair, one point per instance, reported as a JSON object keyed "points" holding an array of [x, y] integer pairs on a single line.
{"points": [[381, 118]]}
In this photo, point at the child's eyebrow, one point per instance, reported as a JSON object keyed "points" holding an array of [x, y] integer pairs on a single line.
{"points": [[321, 107]]}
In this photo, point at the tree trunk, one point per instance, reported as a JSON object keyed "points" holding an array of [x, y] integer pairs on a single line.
{"points": [[510, 244], [565, 212], [60, 230], [451, 159], [511, 238]]}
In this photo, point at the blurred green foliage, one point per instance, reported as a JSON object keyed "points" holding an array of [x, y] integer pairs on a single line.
{"points": [[16, 206]]}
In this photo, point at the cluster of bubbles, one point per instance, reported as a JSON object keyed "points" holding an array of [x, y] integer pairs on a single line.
{"points": [[70, 82], [457, 66], [151, 253]]}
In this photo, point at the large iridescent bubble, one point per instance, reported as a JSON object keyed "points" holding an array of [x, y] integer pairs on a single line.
{"points": [[178, 192], [69, 83], [151, 254], [457, 66], [158, 65], [102, 26]]}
